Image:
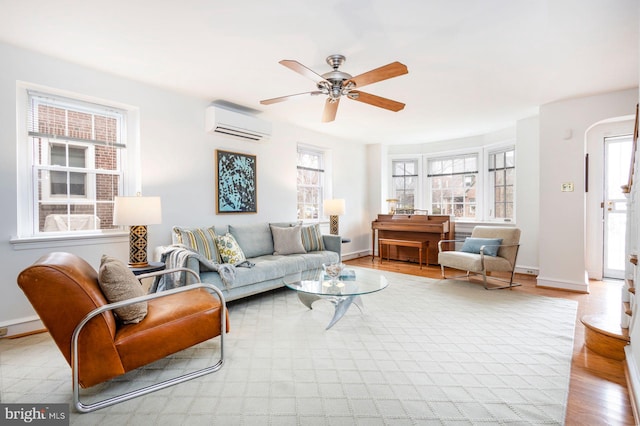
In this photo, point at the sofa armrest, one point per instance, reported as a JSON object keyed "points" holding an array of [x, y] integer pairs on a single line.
{"points": [[333, 243]]}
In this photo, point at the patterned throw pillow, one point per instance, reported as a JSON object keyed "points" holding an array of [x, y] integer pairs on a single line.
{"points": [[312, 238], [201, 240], [118, 283], [230, 251]]}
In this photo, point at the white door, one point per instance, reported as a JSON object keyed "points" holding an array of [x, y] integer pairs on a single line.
{"points": [[617, 156]]}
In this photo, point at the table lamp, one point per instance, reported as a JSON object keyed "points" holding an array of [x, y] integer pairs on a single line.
{"points": [[333, 208], [137, 213]]}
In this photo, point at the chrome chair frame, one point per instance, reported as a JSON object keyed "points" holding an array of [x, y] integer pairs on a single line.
{"points": [[85, 408]]}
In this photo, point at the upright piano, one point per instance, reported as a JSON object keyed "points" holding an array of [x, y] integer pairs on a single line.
{"points": [[412, 227]]}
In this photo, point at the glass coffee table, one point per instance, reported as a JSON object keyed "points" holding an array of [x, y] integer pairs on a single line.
{"points": [[342, 293]]}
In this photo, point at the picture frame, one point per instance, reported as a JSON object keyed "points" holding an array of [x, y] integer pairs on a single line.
{"points": [[237, 183]]}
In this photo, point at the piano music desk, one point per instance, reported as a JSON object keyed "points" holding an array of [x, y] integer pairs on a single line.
{"points": [[420, 245]]}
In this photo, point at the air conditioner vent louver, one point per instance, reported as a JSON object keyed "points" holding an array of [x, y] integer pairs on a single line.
{"points": [[236, 124], [237, 133]]}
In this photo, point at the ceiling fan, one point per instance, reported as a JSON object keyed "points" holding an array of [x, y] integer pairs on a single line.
{"points": [[336, 84]]}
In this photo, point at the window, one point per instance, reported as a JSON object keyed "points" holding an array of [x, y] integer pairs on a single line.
{"points": [[405, 184], [454, 185], [76, 151], [502, 176], [310, 183]]}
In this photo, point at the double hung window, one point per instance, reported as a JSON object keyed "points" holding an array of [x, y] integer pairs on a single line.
{"points": [[405, 184], [310, 183], [502, 176], [454, 185], [75, 154]]}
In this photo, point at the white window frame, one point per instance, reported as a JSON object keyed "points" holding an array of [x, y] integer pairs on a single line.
{"points": [[490, 188], [485, 196], [419, 198], [479, 184], [28, 235], [324, 155]]}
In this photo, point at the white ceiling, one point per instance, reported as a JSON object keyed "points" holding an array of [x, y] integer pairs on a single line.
{"points": [[474, 66]]}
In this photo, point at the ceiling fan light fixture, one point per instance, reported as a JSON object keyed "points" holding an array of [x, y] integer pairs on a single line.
{"points": [[324, 87]]}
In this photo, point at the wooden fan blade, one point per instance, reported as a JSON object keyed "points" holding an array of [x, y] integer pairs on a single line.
{"points": [[330, 110], [391, 70], [301, 69], [285, 98], [378, 101]]}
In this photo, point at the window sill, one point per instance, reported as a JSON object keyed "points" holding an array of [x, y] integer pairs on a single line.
{"points": [[53, 241]]}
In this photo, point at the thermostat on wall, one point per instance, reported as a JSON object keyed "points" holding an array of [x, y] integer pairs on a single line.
{"points": [[567, 187]]}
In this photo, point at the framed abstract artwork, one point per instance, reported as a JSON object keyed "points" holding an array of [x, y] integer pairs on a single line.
{"points": [[237, 183]]}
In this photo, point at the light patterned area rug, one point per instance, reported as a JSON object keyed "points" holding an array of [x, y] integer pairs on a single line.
{"points": [[422, 352]]}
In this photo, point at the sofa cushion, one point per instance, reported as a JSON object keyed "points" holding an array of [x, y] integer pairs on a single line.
{"points": [[201, 240], [267, 268], [118, 283], [254, 239], [472, 245], [314, 260], [312, 237], [230, 251]]}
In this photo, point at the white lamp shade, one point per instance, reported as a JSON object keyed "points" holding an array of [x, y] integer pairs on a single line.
{"points": [[333, 207], [135, 211]]}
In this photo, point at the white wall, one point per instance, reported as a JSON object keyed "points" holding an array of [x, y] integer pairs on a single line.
{"points": [[563, 126], [177, 164], [528, 192]]}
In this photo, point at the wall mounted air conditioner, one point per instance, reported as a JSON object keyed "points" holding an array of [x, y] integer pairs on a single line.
{"points": [[236, 124]]}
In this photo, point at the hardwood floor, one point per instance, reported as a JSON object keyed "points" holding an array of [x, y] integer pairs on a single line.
{"points": [[597, 392]]}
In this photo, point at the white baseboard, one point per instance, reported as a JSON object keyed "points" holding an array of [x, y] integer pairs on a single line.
{"points": [[527, 270], [356, 254], [20, 326], [581, 287]]}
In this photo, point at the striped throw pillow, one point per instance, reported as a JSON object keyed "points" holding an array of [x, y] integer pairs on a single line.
{"points": [[312, 238], [202, 240]]}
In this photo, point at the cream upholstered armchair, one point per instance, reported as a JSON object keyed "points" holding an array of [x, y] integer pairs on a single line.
{"points": [[489, 249]]}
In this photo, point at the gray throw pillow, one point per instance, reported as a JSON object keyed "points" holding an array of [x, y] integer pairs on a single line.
{"points": [[118, 283], [287, 240]]}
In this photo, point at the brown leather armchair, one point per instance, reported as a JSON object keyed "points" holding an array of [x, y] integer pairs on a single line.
{"points": [[64, 291]]}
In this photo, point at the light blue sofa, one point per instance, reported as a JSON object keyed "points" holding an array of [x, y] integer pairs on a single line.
{"points": [[269, 270]]}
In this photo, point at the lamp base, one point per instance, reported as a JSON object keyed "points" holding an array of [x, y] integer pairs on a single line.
{"points": [[138, 246], [333, 225]]}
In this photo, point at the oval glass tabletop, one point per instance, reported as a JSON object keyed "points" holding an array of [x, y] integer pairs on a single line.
{"points": [[367, 283]]}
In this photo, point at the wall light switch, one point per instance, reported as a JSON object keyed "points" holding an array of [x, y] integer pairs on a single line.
{"points": [[567, 187]]}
